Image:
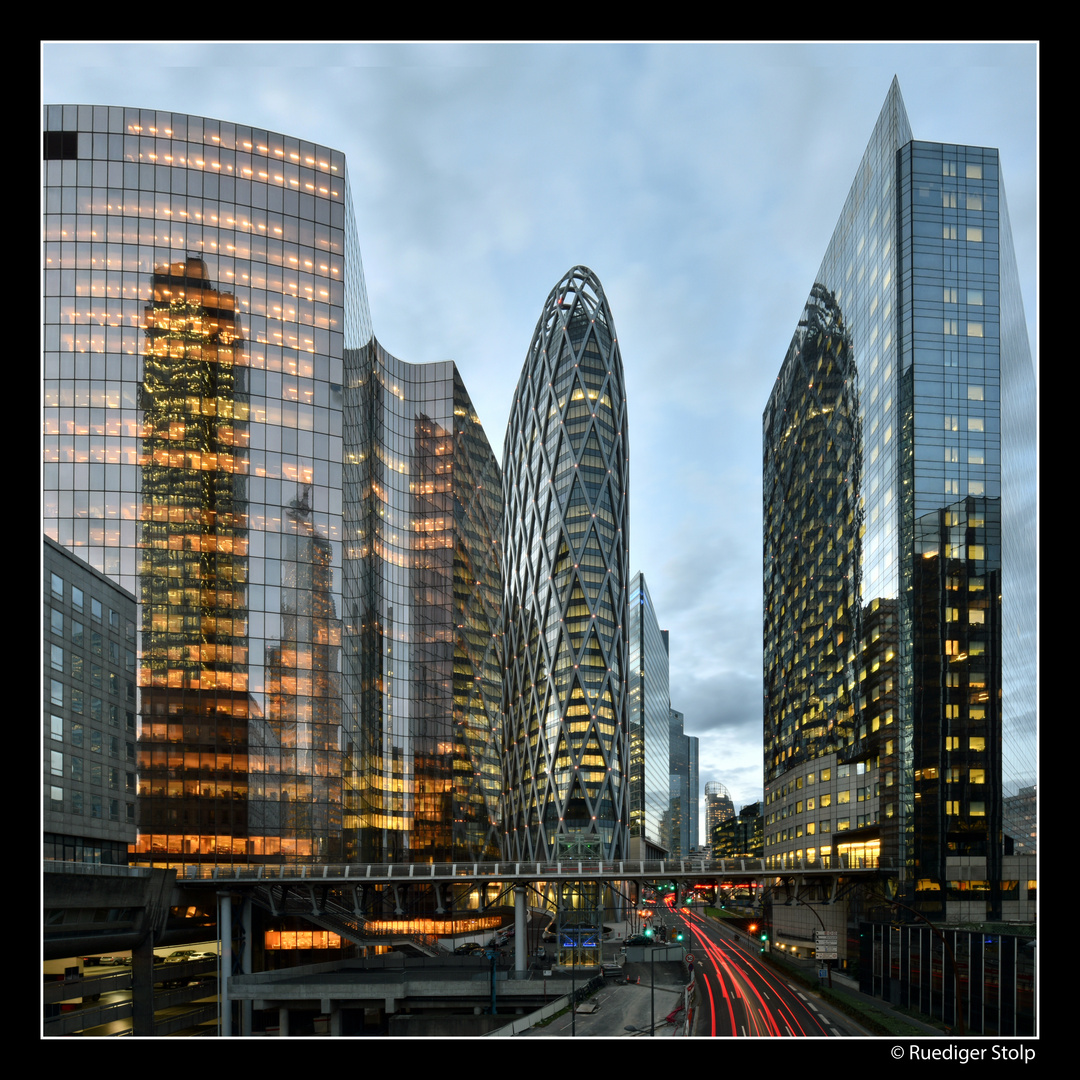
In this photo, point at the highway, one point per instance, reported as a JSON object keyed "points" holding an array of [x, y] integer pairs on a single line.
{"points": [[739, 996]]}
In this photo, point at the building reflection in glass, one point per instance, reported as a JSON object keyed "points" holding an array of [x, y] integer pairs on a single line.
{"points": [[193, 746]]}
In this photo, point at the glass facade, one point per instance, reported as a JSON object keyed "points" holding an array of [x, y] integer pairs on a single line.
{"points": [[565, 542], [648, 719], [884, 566], [225, 438], [426, 621], [680, 830]]}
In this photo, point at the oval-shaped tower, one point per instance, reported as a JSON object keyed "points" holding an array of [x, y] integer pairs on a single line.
{"points": [[566, 532]]}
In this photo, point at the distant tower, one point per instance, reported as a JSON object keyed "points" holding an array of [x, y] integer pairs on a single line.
{"points": [[718, 807], [565, 617]]}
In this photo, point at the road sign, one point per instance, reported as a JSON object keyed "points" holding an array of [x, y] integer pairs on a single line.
{"points": [[825, 944], [689, 959]]}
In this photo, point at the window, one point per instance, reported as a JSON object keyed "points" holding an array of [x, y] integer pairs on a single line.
{"points": [[973, 172], [95, 609], [56, 763], [56, 619], [974, 329], [76, 598], [58, 586], [974, 234], [57, 657], [56, 692], [56, 727]]}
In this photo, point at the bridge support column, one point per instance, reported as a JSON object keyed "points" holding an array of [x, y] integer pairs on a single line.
{"points": [[245, 961], [225, 932], [520, 932], [283, 1021]]}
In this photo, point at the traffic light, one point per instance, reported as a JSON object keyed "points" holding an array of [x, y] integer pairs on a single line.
{"points": [[648, 931], [678, 935], [764, 941]]}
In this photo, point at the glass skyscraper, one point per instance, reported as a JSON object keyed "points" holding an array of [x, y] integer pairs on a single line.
{"points": [[565, 617], [309, 524], [648, 721], [898, 559]]}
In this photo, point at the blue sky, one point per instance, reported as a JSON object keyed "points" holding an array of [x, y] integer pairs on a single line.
{"points": [[700, 182]]}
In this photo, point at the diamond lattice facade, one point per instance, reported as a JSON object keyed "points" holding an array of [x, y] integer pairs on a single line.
{"points": [[565, 533]]}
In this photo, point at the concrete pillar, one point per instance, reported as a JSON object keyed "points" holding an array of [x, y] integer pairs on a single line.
{"points": [[283, 1021], [335, 1020], [520, 935], [142, 987], [245, 963], [225, 930]]}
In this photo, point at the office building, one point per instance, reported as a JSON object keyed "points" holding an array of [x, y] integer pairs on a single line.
{"points": [[898, 456], [718, 807], [89, 714], [308, 523], [739, 837], [565, 615], [681, 829], [649, 706]]}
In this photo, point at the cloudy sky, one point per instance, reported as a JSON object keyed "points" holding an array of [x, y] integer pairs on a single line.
{"points": [[700, 182]]}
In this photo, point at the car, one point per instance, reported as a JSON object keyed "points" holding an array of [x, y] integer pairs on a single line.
{"points": [[178, 956], [468, 948]]}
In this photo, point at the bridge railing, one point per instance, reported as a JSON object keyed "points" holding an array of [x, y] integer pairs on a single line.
{"points": [[561, 868]]}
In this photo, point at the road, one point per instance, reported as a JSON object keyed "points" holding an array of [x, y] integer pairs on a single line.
{"points": [[739, 996]]}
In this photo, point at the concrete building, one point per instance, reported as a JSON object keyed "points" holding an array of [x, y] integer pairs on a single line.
{"points": [[89, 713]]}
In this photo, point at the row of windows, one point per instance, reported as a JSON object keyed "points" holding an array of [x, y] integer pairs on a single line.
{"points": [[94, 806]]}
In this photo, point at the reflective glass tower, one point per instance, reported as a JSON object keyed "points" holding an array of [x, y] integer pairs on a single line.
{"points": [[899, 447], [648, 721], [318, 593], [565, 572]]}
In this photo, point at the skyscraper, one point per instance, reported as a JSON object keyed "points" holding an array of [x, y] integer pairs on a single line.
{"points": [[718, 807], [681, 832], [308, 523], [565, 573], [893, 546], [649, 706]]}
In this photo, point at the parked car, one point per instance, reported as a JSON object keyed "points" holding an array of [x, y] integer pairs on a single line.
{"points": [[178, 956], [468, 948]]}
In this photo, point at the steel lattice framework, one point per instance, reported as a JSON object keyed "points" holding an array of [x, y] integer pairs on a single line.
{"points": [[566, 532]]}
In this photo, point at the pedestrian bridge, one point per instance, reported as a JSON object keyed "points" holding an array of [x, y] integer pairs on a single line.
{"points": [[680, 870]]}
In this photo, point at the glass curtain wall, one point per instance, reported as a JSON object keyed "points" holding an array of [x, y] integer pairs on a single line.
{"points": [[195, 371]]}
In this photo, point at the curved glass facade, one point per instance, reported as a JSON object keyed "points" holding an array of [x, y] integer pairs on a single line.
{"points": [[565, 569], [426, 621], [224, 438]]}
